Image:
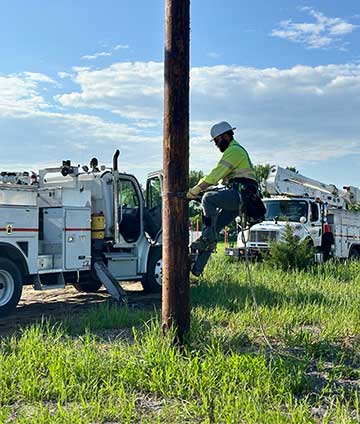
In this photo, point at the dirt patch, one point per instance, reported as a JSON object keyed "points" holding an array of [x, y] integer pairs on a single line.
{"points": [[36, 306]]}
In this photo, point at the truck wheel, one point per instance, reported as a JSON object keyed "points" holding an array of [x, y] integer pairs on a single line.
{"points": [[10, 286], [152, 282], [87, 284], [354, 254]]}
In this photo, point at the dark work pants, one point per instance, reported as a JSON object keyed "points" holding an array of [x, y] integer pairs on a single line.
{"points": [[221, 207]]}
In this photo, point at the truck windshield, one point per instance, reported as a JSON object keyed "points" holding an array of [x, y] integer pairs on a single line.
{"points": [[286, 210]]}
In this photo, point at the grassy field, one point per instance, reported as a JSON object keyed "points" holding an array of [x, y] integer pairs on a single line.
{"points": [[113, 366]]}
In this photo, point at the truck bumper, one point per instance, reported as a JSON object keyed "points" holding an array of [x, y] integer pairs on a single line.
{"points": [[238, 252]]}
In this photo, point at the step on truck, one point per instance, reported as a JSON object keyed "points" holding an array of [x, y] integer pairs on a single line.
{"points": [[319, 213], [85, 226]]}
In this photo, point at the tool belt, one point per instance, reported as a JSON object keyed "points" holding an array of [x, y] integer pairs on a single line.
{"points": [[243, 185], [251, 204]]}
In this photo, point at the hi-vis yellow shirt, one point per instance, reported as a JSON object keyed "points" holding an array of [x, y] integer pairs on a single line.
{"points": [[234, 163]]}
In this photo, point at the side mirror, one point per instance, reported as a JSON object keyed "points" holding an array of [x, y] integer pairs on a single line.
{"points": [[302, 220]]}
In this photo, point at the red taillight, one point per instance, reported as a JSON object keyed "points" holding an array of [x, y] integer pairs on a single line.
{"points": [[326, 228]]}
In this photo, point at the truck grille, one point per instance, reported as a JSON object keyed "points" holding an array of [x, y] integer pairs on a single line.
{"points": [[262, 236]]}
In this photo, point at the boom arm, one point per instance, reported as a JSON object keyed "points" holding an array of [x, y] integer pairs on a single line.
{"points": [[282, 181]]}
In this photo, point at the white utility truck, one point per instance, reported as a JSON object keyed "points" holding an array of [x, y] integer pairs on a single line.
{"points": [[318, 213], [78, 225]]}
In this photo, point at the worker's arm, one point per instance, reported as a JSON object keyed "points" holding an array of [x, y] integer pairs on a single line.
{"points": [[213, 178], [222, 169], [194, 192]]}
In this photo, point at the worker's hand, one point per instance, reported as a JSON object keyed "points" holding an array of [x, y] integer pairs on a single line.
{"points": [[190, 195], [193, 193]]}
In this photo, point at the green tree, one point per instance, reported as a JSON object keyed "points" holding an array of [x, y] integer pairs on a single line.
{"points": [[291, 253], [195, 207], [194, 177], [354, 208], [261, 174]]}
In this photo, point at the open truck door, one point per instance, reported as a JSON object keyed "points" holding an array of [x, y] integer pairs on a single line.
{"points": [[153, 210], [153, 227]]}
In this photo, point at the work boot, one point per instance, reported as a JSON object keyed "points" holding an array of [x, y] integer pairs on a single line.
{"points": [[201, 260], [195, 271]]}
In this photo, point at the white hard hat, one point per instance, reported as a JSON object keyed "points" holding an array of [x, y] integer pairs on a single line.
{"points": [[220, 128]]}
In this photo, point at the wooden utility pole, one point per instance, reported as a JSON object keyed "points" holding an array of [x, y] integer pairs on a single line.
{"points": [[176, 287]]}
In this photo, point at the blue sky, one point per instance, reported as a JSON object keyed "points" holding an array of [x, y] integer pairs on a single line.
{"points": [[79, 79]]}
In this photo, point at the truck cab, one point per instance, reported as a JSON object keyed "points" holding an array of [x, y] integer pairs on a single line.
{"points": [[305, 215]]}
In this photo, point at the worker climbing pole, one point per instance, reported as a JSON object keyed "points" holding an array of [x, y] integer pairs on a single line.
{"points": [[175, 303]]}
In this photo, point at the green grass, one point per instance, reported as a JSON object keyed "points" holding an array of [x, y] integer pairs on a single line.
{"points": [[99, 370]]}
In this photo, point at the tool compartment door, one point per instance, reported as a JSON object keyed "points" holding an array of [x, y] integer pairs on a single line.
{"points": [[19, 227], [77, 238]]}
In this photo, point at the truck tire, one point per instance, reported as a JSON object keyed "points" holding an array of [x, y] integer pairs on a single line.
{"points": [[354, 254], [87, 284], [152, 282], [10, 286]]}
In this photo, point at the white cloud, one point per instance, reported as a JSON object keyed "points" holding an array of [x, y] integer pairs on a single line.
{"points": [[288, 108], [214, 55], [132, 90], [36, 76], [290, 116], [81, 68], [342, 28], [105, 53], [36, 134], [322, 33], [64, 75], [121, 46], [95, 55], [20, 93]]}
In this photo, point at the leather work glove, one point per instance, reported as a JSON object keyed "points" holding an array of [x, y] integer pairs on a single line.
{"points": [[193, 193]]}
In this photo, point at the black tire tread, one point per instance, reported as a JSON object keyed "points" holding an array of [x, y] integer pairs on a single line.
{"points": [[149, 283]]}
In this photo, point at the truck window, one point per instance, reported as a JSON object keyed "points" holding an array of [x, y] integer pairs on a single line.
{"points": [[314, 212], [286, 210], [153, 193], [128, 195], [153, 209], [129, 211]]}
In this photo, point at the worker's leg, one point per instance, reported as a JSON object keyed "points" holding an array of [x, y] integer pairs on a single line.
{"points": [[224, 218], [212, 202], [227, 201], [223, 199]]}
